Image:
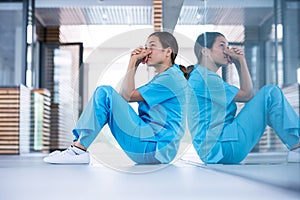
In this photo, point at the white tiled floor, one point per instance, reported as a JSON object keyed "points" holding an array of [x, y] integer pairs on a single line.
{"points": [[28, 178]]}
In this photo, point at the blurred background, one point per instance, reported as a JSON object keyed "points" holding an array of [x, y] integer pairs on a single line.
{"points": [[54, 53]]}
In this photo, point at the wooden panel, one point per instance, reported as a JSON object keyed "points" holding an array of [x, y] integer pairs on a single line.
{"points": [[157, 15], [20, 120], [9, 120]]}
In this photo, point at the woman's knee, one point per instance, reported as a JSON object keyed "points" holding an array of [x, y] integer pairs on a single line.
{"points": [[102, 95], [272, 89], [103, 91]]}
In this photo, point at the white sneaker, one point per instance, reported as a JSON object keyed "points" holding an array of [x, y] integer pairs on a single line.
{"points": [[294, 156], [72, 155]]}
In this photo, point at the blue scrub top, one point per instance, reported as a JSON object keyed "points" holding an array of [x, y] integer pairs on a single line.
{"points": [[164, 105], [211, 110]]}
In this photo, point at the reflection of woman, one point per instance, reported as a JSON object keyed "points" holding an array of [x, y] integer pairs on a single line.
{"points": [[152, 136], [219, 136]]}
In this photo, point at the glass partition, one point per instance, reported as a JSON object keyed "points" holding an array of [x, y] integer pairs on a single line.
{"points": [[11, 43], [267, 31]]}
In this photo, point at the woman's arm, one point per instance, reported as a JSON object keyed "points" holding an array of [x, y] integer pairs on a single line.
{"points": [[246, 87], [128, 91]]}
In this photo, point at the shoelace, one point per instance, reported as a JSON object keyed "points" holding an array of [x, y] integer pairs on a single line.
{"points": [[67, 150], [71, 148]]}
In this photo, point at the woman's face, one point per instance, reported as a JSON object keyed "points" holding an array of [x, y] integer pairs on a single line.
{"points": [[158, 54], [217, 51]]}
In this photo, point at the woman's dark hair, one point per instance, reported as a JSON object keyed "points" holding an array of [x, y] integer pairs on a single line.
{"points": [[205, 40], [167, 40]]}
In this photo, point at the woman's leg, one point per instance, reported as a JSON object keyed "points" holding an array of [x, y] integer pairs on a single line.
{"points": [[107, 106], [268, 107]]}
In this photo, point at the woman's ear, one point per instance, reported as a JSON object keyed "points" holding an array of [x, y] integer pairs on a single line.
{"points": [[169, 51], [204, 51]]}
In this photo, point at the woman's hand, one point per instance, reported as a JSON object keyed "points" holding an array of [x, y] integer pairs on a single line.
{"points": [[139, 55], [246, 87], [128, 91], [235, 55]]}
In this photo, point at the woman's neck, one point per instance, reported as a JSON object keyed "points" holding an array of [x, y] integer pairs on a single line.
{"points": [[161, 68], [211, 66]]}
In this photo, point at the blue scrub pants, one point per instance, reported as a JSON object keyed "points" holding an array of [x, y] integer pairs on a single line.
{"points": [[267, 107], [107, 107]]}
